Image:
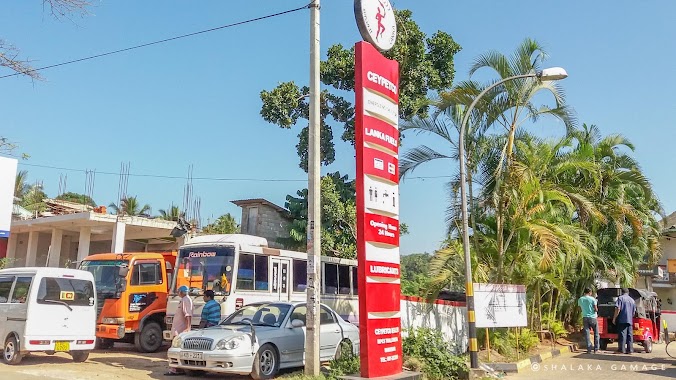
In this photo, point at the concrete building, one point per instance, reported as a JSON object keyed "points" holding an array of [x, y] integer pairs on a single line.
{"points": [[663, 279], [265, 219], [60, 239]]}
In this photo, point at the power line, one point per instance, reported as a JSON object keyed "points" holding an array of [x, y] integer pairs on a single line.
{"points": [[158, 42], [223, 179]]}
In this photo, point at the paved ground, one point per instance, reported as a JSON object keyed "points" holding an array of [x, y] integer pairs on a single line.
{"points": [[605, 365], [122, 362]]}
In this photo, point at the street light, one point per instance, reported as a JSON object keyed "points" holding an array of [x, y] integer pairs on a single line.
{"points": [[550, 74]]}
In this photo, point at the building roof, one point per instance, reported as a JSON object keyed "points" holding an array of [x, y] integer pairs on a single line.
{"points": [[669, 224], [260, 201]]}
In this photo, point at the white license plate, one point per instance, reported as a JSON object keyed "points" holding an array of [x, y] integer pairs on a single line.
{"points": [[192, 355]]}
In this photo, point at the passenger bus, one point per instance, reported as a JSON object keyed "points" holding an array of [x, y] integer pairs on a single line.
{"points": [[242, 269]]}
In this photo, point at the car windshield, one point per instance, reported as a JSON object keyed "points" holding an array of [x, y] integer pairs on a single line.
{"points": [[204, 268], [105, 273], [267, 314]]}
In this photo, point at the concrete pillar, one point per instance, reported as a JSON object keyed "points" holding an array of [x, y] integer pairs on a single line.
{"points": [[11, 247], [117, 245], [32, 251], [55, 248], [83, 243]]}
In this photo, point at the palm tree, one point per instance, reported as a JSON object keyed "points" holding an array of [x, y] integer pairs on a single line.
{"points": [[130, 206], [172, 213], [21, 186]]}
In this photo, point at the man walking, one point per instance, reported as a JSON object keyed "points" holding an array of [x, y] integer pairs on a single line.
{"points": [[211, 312], [589, 308], [624, 320], [182, 320]]}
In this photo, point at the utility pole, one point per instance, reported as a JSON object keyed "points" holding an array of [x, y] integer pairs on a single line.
{"points": [[314, 210]]}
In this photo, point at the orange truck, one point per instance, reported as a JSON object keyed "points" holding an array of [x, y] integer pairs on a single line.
{"points": [[131, 296]]}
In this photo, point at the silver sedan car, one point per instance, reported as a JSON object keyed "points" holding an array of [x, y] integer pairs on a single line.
{"points": [[260, 339]]}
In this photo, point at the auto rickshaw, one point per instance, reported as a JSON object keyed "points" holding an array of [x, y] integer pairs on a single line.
{"points": [[646, 328]]}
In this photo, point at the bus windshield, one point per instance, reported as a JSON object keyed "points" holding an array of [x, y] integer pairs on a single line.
{"points": [[105, 273], [204, 268]]}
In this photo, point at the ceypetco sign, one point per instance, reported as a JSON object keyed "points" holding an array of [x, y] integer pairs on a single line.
{"points": [[377, 25]]}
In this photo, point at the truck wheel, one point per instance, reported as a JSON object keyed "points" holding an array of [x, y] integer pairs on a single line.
{"points": [[79, 356], [149, 339], [603, 344], [11, 354], [104, 344]]}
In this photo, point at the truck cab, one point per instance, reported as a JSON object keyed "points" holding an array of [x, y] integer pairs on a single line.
{"points": [[132, 293]]}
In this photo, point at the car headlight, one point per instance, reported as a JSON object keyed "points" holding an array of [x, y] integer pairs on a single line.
{"points": [[113, 321], [230, 344], [176, 343]]}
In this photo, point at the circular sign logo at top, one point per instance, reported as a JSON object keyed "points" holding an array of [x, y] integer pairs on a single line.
{"points": [[376, 22]]}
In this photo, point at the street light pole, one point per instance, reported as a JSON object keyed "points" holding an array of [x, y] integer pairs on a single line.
{"points": [[312, 366], [555, 73]]}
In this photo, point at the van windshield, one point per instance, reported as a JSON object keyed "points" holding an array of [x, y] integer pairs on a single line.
{"points": [[105, 273], [204, 268], [65, 291]]}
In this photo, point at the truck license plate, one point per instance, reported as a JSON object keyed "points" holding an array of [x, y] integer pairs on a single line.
{"points": [[62, 346], [192, 355]]}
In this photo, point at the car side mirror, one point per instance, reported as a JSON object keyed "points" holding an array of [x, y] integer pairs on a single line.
{"points": [[123, 271], [296, 323]]}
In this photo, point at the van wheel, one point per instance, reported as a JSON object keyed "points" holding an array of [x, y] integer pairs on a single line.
{"points": [[149, 339], [603, 344], [79, 356], [11, 354], [266, 363], [104, 344]]}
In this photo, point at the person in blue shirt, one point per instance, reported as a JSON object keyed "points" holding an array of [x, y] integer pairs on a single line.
{"points": [[589, 308], [624, 320], [211, 312]]}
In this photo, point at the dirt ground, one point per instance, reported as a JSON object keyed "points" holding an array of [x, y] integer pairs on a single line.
{"points": [[121, 362]]}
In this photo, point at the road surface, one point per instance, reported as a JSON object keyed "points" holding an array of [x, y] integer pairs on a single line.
{"points": [[605, 365]]}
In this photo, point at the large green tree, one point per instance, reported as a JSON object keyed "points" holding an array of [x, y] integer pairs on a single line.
{"points": [[426, 65], [130, 206], [225, 224], [77, 198]]}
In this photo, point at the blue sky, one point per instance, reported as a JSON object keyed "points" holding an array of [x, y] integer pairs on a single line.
{"points": [[196, 101]]}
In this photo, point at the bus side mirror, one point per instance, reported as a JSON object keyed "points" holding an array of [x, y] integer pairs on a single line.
{"points": [[123, 271]]}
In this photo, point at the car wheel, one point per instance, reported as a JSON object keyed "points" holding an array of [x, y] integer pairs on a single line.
{"points": [[344, 350], [648, 345], [266, 363], [79, 356], [149, 339], [11, 354]]}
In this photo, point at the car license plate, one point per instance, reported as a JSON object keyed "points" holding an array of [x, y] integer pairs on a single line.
{"points": [[62, 346], [192, 355]]}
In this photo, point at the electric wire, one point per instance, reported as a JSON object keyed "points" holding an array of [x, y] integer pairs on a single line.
{"points": [[157, 42]]}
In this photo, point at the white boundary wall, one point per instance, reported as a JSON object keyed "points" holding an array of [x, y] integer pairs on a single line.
{"points": [[447, 316]]}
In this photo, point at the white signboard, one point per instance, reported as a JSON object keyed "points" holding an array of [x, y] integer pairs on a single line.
{"points": [[500, 305], [7, 179], [376, 22], [381, 196]]}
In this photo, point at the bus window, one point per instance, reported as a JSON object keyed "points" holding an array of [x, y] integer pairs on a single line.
{"points": [[330, 278], [355, 281], [299, 275], [252, 273], [343, 279]]}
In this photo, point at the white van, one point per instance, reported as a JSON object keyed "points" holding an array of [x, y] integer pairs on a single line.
{"points": [[47, 309]]}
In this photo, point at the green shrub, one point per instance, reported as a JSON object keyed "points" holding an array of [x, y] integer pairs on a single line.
{"points": [[429, 347], [527, 339], [556, 327], [347, 364]]}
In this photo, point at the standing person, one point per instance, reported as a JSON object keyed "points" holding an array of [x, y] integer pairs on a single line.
{"points": [[182, 320], [211, 312], [624, 320], [589, 308]]}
